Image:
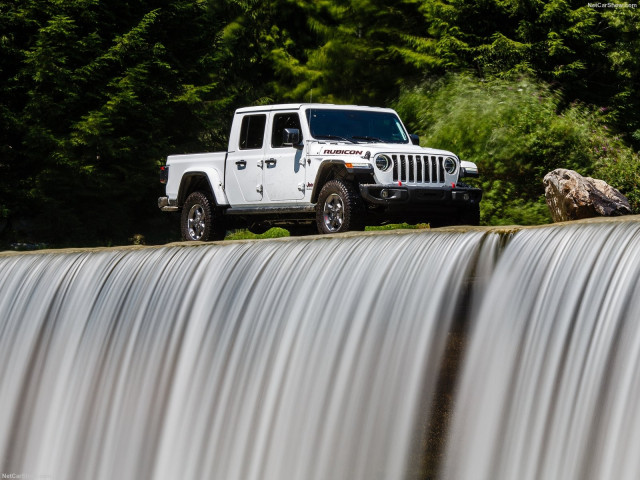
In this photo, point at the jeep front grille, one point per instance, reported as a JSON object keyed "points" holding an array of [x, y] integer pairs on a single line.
{"points": [[418, 168]]}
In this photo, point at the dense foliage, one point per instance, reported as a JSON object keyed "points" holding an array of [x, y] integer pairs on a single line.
{"points": [[516, 132], [95, 93]]}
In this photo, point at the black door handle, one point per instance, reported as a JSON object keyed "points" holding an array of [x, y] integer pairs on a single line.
{"points": [[241, 163]]}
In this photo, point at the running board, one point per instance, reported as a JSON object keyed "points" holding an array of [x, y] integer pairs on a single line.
{"points": [[270, 210]]}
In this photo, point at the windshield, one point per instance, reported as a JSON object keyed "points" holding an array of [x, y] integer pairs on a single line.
{"points": [[356, 126]]}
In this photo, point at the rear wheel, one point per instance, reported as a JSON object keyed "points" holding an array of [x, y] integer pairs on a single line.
{"points": [[200, 220], [339, 208]]}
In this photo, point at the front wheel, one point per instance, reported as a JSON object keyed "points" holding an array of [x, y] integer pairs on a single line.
{"points": [[200, 220], [339, 208]]}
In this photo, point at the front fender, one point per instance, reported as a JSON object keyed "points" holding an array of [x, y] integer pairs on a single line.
{"points": [[469, 169], [338, 168]]}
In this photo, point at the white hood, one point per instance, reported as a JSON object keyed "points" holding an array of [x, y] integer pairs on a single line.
{"points": [[348, 149]]}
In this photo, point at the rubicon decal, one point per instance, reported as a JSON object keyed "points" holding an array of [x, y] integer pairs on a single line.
{"points": [[341, 152]]}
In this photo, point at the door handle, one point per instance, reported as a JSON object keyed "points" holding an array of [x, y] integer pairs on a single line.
{"points": [[241, 163], [271, 161]]}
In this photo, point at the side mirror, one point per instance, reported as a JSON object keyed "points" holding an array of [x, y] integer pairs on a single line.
{"points": [[291, 137], [415, 139]]}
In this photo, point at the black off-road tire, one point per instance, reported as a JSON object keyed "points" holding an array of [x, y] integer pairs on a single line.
{"points": [[340, 208], [200, 220]]}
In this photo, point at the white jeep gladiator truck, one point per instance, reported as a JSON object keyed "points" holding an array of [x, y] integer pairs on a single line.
{"points": [[317, 168]]}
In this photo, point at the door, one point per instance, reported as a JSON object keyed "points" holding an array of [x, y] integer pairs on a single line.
{"points": [[245, 162], [284, 167]]}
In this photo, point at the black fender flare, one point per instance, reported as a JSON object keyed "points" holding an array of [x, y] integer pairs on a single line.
{"points": [[337, 169], [192, 181]]}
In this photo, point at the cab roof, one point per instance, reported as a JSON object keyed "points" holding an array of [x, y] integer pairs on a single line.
{"points": [[306, 106]]}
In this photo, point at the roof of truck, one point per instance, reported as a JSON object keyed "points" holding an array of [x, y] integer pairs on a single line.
{"points": [[299, 106]]}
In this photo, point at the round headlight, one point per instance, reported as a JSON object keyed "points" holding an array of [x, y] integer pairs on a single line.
{"points": [[450, 165], [383, 162]]}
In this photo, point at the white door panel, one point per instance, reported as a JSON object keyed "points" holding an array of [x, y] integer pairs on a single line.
{"points": [[285, 168], [245, 161], [244, 169], [284, 175]]}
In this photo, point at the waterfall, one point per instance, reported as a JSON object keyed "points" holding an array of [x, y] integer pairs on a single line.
{"points": [[327, 358], [550, 387], [307, 359]]}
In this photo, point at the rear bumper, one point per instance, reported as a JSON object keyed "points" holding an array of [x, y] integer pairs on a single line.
{"points": [[392, 195], [167, 205]]}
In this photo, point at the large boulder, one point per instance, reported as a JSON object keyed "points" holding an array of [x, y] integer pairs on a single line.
{"points": [[570, 196]]}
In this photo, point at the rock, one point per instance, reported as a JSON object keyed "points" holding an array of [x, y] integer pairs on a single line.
{"points": [[570, 196]]}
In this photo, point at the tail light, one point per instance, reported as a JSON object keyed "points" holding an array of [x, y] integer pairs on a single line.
{"points": [[164, 173]]}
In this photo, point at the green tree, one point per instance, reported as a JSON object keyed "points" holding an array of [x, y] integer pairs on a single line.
{"points": [[102, 100], [587, 54], [97, 93], [624, 54], [362, 51]]}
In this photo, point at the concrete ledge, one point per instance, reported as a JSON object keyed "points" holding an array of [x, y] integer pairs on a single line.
{"points": [[501, 229]]}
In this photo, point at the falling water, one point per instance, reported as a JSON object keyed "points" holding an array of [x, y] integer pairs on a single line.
{"points": [[319, 358], [551, 384], [307, 359]]}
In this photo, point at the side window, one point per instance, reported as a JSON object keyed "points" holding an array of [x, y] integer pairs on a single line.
{"points": [[280, 122], [252, 131]]}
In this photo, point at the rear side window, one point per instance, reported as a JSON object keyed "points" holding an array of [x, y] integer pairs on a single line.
{"points": [[252, 131]]}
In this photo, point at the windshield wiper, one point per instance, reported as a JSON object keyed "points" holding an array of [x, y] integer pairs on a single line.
{"points": [[364, 137], [333, 137]]}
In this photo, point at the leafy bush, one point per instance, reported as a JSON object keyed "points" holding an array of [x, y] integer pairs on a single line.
{"points": [[275, 232], [516, 132], [398, 226], [622, 171]]}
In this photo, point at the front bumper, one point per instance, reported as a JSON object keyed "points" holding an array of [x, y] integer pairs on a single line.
{"points": [[391, 195]]}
